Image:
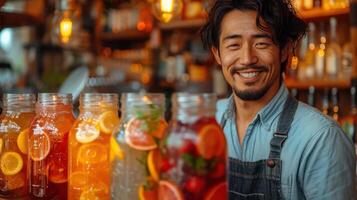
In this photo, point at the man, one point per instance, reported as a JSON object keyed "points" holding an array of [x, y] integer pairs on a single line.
{"points": [[278, 148]]}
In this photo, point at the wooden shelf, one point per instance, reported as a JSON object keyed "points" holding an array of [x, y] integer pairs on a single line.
{"points": [[124, 35], [318, 84], [183, 24], [319, 13], [10, 19]]}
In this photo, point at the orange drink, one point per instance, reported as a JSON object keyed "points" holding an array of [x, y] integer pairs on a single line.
{"points": [[48, 146], [134, 172], [19, 111], [193, 161], [89, 147]]}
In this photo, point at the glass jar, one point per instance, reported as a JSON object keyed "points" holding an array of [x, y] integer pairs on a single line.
{"points": [[19, 111], [141, 130], [89, 147], [48, 146], [194, 160]]}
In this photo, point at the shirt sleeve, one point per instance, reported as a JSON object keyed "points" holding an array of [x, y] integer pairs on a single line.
{"points": [[329, 166]]}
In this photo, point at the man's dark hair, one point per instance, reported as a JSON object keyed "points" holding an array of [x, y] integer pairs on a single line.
{"points": [[279, 15]]}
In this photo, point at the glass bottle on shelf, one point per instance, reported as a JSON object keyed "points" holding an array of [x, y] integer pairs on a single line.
{"points": [[89, 147], [335, 106], [308, 4], [297, 4], [194, 151], [48, 146], [327, 4], [15, 120], [320, 62], [306, 68], [311, 96], [137, 172], [333, 52], [346, 60], [325, 102], [349, 122]]}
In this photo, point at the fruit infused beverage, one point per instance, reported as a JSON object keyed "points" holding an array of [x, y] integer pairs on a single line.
{"points": [[89, 147], [48, 146], [194, 160], [135, 174], [19, 111]]}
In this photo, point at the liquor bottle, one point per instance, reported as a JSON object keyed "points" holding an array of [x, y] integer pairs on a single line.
{"points": [[308, 4], [348, 123], [327, 4], [325, 102], [306, 67], [335, 106], [320, 54], [333, 52], [346, 60], [311, 96], [297, 4]]}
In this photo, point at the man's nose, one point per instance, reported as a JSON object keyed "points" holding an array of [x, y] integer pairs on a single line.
{"points": [[247, 55]]}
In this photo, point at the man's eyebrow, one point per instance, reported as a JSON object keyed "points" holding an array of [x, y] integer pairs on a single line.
{"points": [[234, 36], [237, 36], [263, 35]]}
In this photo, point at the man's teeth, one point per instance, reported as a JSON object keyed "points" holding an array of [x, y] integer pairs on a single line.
{"points": [[249, 74]]}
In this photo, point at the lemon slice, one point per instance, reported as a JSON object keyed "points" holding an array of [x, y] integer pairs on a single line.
{"points": [[108, 122], [22, 139], [87, 131], [11, 163]]}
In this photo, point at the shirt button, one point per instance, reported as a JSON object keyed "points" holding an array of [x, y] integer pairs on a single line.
{"points": [[271, 163]]}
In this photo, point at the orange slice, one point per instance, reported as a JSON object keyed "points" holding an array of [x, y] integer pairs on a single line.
{"points": [[138, 138], [15, 181], [22, 139], [11, 163], [211, 141], [39, 146], [168, 190], [1, 144], [147, 194], [218, 191], [78, 180], [154, 163], [115, 150], [108, 122], [87, 131], [58, 172], [93, 153], [88, 195], [160, 131]]}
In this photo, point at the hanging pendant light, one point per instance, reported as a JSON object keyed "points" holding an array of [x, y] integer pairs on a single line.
{"points": [[166, 10], [65, 24]]}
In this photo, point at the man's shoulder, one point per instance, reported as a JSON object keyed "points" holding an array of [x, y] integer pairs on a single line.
{"points": [[309, 121]]}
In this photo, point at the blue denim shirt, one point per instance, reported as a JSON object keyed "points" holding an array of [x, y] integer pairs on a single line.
{"points": [[318, 160]]}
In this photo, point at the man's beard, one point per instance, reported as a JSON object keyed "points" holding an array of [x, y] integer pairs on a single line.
{"points": [[251, 95]]}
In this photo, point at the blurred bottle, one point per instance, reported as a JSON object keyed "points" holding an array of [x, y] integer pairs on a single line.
{"points": [[346, 60], [320, 54], [297, 4], [333, 52], [308, 4], [311, 96], [335, 106], [306, 67], [325, 102], [348, 123]]}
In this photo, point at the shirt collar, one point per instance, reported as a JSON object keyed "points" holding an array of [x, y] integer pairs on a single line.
{"points": [[269, 113]]}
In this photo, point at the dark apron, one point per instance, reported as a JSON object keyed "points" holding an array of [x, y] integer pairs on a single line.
{"points": [[262, 179]]}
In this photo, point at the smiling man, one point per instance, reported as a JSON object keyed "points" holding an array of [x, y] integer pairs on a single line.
{"points": [[279, 148]]}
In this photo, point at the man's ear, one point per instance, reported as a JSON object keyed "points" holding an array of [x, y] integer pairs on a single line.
{"points": [[216, 55], [285, 52]]}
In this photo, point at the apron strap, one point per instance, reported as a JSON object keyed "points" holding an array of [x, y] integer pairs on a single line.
{"points": [[284, 123]]}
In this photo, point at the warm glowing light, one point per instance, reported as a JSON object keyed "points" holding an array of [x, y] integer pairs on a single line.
{"points": [[167, 6], [65, 29]]}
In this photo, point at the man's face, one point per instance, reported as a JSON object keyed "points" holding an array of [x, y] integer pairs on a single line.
{"points": [[250, 60]]}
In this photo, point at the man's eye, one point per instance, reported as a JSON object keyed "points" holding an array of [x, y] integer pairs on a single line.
{"points": [[262, 45], [233, 46]]}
